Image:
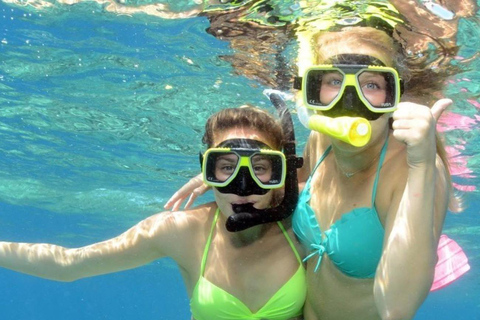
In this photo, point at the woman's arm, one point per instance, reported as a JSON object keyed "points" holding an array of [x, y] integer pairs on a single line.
{"points": [[415, 218], [152, 238]]}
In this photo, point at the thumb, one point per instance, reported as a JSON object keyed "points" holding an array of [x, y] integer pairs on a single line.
{"points": [[440, 106]]}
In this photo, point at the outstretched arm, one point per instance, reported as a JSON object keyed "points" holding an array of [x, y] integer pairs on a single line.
{"points": [[141, 244], [415, 218]]}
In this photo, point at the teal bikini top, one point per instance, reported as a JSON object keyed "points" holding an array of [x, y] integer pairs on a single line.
{"points": [[353, 243]]}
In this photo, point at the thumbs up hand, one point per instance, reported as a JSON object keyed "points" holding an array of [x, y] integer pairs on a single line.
{"points": [[415, 125]]}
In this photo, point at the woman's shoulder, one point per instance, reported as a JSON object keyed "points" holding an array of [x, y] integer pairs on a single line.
{"points": [[201, 215], [181, 235], [182, 221], [180, 229]]}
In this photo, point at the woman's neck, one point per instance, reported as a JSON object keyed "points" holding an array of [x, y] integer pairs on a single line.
{"points": [[351, 163], [245, 237]]}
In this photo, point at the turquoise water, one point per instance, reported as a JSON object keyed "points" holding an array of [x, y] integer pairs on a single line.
{"points": [[100, 122]]}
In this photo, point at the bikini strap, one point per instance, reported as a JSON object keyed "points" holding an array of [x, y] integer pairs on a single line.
{"points": [[377, 175], [285, 233], [324, 155], [209, 241]]}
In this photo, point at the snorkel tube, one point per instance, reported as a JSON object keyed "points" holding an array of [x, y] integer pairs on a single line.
{"points": [[353, 130], [246, 215]]}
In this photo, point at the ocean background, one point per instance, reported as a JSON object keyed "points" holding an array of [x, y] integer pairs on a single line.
{"points": [[101, 117]]}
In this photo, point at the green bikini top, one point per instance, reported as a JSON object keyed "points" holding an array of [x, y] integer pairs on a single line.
{"points": [[354, 243], [210, 302]]}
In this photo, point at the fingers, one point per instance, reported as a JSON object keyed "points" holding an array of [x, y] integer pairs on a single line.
{"points": [[408, 110], [177, 204], [411, 122], [171, 202], [192, 189], [400, 124], [405, 136], [195, 194], [191, 200], [440, 106], [415, 125]]}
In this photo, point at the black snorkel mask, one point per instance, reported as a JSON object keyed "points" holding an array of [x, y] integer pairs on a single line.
{"points": [[243, 179], [243, 167]]}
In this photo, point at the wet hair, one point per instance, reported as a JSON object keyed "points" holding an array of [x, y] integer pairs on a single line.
{"points": [[246, 117], [360, 37]]}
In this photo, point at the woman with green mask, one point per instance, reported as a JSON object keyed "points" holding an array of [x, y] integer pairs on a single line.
{"points": [[232, 268]]}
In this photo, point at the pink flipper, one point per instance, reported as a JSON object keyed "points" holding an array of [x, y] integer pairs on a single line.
{"points": [[452, 263]]}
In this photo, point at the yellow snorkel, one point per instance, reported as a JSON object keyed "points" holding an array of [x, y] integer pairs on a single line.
{"points": [[353, 130]]}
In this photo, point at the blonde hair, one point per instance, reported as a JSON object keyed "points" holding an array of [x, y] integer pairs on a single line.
{"points": [[247, 117], [318, 47]]}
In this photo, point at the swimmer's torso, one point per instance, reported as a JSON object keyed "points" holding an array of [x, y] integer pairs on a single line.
{"points": [[332, 294], [247, 271]]}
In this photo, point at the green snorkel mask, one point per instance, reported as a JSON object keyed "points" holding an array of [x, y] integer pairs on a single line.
{"points": [[349, 92], [243, 167], [352, 85]]}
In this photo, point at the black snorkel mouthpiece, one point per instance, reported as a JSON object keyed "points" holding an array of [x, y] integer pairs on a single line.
{"points": [[246, 215]]}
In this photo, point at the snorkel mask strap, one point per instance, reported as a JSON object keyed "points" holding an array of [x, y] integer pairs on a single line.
{"points": [[246, 215]]}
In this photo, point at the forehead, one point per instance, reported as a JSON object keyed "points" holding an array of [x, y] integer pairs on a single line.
{"points": [[241, 133]]}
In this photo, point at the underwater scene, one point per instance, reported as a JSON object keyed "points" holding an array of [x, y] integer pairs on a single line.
{"points": [[102, 110]]}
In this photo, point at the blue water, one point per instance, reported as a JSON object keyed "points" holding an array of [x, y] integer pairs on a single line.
{"points": [[100, 122]]}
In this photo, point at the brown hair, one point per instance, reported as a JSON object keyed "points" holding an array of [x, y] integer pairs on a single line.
{"points": [[248, 117]]}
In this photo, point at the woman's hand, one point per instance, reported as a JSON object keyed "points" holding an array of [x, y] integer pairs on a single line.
{"points": [[415, 125], [192, 189]]}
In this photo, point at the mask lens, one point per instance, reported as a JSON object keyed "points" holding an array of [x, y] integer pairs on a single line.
{"points": [[324, 87], [377, 88], [220, 167], [268, 169]]}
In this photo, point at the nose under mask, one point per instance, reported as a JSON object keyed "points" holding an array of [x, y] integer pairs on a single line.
{"points": [[350, 105], [243, 185]]}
